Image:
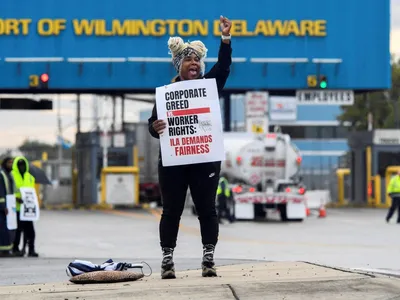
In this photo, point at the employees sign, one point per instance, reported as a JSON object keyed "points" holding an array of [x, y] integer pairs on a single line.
{"points": [[325, 97]]}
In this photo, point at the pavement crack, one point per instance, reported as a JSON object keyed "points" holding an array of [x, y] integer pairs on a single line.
{"points": [[394, 298], [340, 269], [233, 292]]}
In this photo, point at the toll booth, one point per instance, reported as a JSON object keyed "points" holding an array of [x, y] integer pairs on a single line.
{"points": [[374, 157], [358, 143], [89, 161]]}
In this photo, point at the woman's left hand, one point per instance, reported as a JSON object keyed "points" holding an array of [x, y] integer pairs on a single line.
{"points": [[225, 25]]}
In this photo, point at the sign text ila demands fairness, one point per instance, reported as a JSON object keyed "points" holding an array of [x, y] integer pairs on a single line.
{"points": [[194, 127]]}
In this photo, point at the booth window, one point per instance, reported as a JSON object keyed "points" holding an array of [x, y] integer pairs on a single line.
{"points": [[386, 159], [114, 159], [315, 132]]}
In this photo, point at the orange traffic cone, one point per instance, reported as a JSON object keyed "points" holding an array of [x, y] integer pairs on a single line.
{"points": [[322, 211], [308, 212]]}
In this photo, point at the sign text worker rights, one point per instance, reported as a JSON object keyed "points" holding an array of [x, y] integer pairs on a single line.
{"points": [[194, 127]]}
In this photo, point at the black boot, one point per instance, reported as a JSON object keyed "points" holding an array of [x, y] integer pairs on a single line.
{"points": [[23, 250], [5, 253], [208, 265], [31, 251], [167, 265], [17, 253]]}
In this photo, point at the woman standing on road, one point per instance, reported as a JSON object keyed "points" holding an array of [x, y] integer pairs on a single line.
{"points": [[202, 179]]}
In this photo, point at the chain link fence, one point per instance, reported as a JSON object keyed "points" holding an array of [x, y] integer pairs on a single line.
{"points": [[324, 177]]}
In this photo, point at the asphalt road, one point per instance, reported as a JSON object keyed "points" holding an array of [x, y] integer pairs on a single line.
{"points": [[352, 238]]}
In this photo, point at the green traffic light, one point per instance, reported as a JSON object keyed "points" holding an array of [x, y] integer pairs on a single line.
{"points": [[323, 85]]}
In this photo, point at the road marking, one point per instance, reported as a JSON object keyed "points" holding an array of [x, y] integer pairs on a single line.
{"points": [[155, 212], [128, 214], [158, 212], [155, 215]]}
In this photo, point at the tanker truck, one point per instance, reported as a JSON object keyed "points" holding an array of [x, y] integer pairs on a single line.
{"points": [[263, 171]]}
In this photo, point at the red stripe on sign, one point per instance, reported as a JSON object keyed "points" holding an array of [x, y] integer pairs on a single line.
{"points": [[192, 111]]}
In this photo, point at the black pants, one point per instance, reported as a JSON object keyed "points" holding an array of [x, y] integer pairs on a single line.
{"points": [[18, 232], [25, 227], [202, 179], [395, 204], [29, 235]]}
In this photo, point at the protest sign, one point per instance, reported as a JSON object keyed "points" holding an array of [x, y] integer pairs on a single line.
{"points": [[12, 212], [30, 210], [194, 128]]}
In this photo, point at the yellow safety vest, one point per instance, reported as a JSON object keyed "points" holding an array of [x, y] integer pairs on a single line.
{"points": [[27, 181], [394, 185], [227, 190]]}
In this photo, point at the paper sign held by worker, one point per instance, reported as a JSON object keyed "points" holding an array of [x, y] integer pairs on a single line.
{"points": [[194, 128], [12, 212], [30, 210]]}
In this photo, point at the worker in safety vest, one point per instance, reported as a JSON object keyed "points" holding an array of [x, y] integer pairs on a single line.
{"points": [[224, 200], [6, 189], [22, 178], [393, 190]]}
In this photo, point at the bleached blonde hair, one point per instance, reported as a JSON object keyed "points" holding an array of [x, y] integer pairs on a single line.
{"points": [[179, 50]]}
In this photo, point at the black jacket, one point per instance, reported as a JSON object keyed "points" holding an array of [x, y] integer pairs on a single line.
{"points": [[3, 188], [220, 71]]}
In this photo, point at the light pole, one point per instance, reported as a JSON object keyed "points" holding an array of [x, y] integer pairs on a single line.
{"points": [[394, 103], [60, 138]]}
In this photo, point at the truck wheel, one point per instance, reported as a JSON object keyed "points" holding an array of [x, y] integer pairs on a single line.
{"points": [[297, 220], [259, 211], [283, 212], [233, 211]]}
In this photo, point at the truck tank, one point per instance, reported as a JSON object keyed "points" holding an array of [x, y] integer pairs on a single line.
{"points": [[251, 159]]}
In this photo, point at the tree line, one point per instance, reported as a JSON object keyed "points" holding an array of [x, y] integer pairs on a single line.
{"points": [[384, 106], [33, 149]]}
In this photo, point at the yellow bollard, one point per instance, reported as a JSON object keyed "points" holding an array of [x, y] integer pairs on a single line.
{"points": [[377, 190], [340, 173]]}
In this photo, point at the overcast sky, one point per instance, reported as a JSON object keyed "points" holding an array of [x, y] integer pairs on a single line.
{"points": [[15, 126], [395, 27]]}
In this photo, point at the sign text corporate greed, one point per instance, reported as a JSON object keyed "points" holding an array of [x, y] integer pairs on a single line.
{"points": [[182, 121]]}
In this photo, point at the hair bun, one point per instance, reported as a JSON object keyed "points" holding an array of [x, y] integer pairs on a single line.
{"points": [[199, 47], [175, 45]]}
